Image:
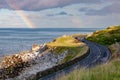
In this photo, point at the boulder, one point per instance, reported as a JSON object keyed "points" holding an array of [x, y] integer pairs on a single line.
{"points": [[29, 57], [11, 66], [36, 47], [9, 61], [43, 48]]}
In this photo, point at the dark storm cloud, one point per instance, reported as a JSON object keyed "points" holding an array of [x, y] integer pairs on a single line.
{"points": [[110, 9], [40, 4]]}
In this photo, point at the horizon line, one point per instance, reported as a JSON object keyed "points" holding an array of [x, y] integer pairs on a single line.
{"points": [[45, 27]]}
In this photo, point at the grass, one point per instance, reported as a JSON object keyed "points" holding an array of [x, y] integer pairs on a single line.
{"points": [[110, 71], [73, 47], [107, 36], [65, 41], [75, 52]]}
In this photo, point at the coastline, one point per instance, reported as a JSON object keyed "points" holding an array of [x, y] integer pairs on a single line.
{"points": [[39, 58], [52, 54], [18, 40]]}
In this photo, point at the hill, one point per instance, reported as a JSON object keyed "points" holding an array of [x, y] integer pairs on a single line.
{"points": [[107, 36], [109, 71], [68, 43]]}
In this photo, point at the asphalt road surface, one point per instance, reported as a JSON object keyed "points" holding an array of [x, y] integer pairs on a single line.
{"points": [[98, 54]]}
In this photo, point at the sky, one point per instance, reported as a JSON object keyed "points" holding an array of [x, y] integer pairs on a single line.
{"points": [[59, 13]]}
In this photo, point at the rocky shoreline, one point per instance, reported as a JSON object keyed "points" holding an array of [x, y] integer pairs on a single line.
{"points": [[22, 65], [27, 64]]}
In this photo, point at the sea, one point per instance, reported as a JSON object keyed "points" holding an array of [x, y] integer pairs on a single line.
{"points": [[15, 40]]}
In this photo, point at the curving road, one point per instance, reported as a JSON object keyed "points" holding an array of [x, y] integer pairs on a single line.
{"points": [[98, 54]]}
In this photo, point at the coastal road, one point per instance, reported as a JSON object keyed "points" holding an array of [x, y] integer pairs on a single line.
{"points": [[98, 54]]}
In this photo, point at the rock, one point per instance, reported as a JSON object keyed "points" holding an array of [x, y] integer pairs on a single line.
{"points": [[43, 48], [36, 47], [115, 49], [28, 56], [16, 67], [9, 61], [39, 48], [11, 66]]}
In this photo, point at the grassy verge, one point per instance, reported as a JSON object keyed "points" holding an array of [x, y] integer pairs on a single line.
{"points": [[75, 52], [110, 71], [74, 47]]}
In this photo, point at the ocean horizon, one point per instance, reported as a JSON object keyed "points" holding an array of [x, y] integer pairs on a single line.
{"points": [[15, 40]]}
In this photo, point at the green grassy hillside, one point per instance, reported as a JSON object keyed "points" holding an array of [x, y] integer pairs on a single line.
{"points": [[69, 44], [109, 71], [106, 37]]}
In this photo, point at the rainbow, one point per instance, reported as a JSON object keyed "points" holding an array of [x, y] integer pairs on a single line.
{"points": [[22, 15], [25, 19]]}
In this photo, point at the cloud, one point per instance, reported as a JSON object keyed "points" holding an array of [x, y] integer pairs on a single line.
{"points": [[36, 5], [113, 8], [3, 4], [60, 13], [9, 18]]}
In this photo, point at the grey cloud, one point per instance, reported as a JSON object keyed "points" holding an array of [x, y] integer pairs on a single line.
{"points": [[40, 4], [3, 4], [85, 9], [110, 9], [64, 13], [61, 13]]}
